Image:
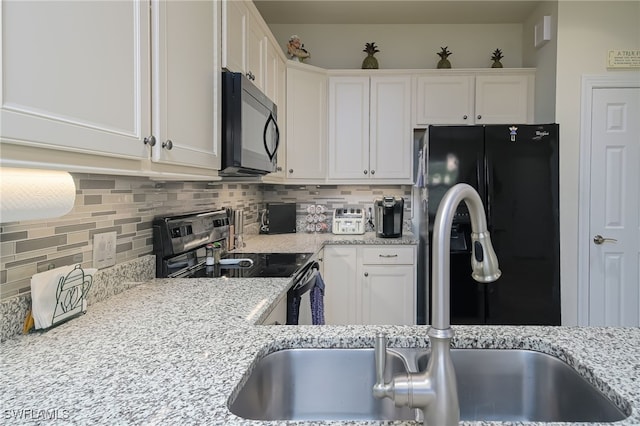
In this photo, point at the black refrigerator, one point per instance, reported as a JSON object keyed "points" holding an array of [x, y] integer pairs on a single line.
{"points": [[514, 168]]}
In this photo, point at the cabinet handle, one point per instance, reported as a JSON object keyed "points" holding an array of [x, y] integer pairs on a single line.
{"points": [[365, 172], [479, 117], [373, 172], [168, 145], [464, 117], [387, 255], [290, 170], [366, 274], [150, 140], [279, 169]]}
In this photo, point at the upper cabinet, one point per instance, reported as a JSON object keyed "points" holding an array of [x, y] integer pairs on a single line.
{"points": [[478, 97], [306, 122], [370, 136], [186, 107], [76, 94], [76, 76], [244, 40]]}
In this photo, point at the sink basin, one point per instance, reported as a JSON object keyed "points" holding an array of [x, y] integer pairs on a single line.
{"points": [[318, 384], [520, 385], [493, 384]]}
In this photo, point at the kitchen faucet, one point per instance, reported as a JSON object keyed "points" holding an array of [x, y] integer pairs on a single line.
{"points": [[434, 390]]}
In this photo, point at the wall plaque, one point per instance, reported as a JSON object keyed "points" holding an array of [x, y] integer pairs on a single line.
{"points": [[623, 58]]}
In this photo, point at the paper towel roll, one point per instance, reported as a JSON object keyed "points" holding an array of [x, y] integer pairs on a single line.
{"points": [[27, 194]]}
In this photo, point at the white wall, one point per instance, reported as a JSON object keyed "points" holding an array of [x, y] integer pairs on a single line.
{"points": [[543, 59], [586, 31], [405, 46]]}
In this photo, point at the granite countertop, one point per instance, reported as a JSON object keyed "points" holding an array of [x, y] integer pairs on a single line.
{"points": [[310, 243], [176, 351]]}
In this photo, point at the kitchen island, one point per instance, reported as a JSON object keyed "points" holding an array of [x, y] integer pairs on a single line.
{"points": [[174, 351]]}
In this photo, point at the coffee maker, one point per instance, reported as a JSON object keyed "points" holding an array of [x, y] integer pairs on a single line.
{"points": [[389, 213]]}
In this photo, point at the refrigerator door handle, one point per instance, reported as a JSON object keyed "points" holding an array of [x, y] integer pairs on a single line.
{"points": [[488, 189]]}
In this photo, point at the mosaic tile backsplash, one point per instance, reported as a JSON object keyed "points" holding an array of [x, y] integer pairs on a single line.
{"points": [[128, 205]]}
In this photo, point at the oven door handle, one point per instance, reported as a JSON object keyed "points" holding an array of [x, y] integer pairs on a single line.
{"points": [[301, 287]]}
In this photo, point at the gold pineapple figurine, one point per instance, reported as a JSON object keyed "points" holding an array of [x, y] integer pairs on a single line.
{"points": [[444, 54], [497, 55], [370, 62]]}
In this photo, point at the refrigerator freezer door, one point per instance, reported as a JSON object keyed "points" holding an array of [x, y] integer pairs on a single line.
{"points": [[521, 165], [455, 156]]}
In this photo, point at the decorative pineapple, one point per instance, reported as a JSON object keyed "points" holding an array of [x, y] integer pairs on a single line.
{"points": [[497, 55], [444, 54], [370, 62]]}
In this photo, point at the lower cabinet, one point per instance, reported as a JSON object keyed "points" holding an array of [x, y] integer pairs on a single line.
{"points": [[370, 284]]}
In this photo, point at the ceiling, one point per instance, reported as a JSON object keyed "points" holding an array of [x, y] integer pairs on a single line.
{"points": [[394, 11]]}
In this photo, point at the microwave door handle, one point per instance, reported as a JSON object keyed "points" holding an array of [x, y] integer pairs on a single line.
{"points": [[277, 129], [270, 153]]}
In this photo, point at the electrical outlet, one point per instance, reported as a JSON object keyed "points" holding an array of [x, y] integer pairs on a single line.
{"points": [[104, 250]]}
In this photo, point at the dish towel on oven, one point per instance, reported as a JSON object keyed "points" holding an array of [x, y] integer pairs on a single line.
{"points": [[317, 301]]}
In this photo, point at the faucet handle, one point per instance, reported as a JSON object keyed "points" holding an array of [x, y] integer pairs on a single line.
{"points": [[380, 388], [381, 356]]}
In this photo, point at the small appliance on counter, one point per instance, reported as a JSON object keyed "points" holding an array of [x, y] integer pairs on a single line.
{"points": [[389, 212], [279, 218], [348, 221]]}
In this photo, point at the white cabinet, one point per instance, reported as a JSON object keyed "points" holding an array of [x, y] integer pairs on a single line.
{"points": [[341, 288], [243, 40], [276, 90], [505, 98], [76, 76], [370, 135], [278, 315], [76, 95], [186, 90], [444, 99], [480, 97], [370, 284], [388, 285], [234, 35], [306, 122]]}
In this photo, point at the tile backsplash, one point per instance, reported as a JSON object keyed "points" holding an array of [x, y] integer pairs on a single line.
{"points": [[127, 205], [105, 203]]}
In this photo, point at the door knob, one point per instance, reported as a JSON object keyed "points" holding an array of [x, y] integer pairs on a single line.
{"points": [[150, 140], [599, 239], [167, 145]]}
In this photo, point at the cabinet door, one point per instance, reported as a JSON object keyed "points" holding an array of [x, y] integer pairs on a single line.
{"points": [[503, 99], [349, 127], [186, 83], [444, 100], [388, 294], [256, 47], [341, 285], [391, 136], [306, 124], [76, 76], [278, 68], [234, 35]]}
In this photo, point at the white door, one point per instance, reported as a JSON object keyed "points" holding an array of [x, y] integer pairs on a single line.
{"points": [[614, 254]]}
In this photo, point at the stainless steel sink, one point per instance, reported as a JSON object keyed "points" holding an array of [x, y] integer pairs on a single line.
{"points": [[318, 384], [493, 384]]}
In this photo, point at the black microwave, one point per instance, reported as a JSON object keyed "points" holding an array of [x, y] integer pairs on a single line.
{"points": [[250, 134]]}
